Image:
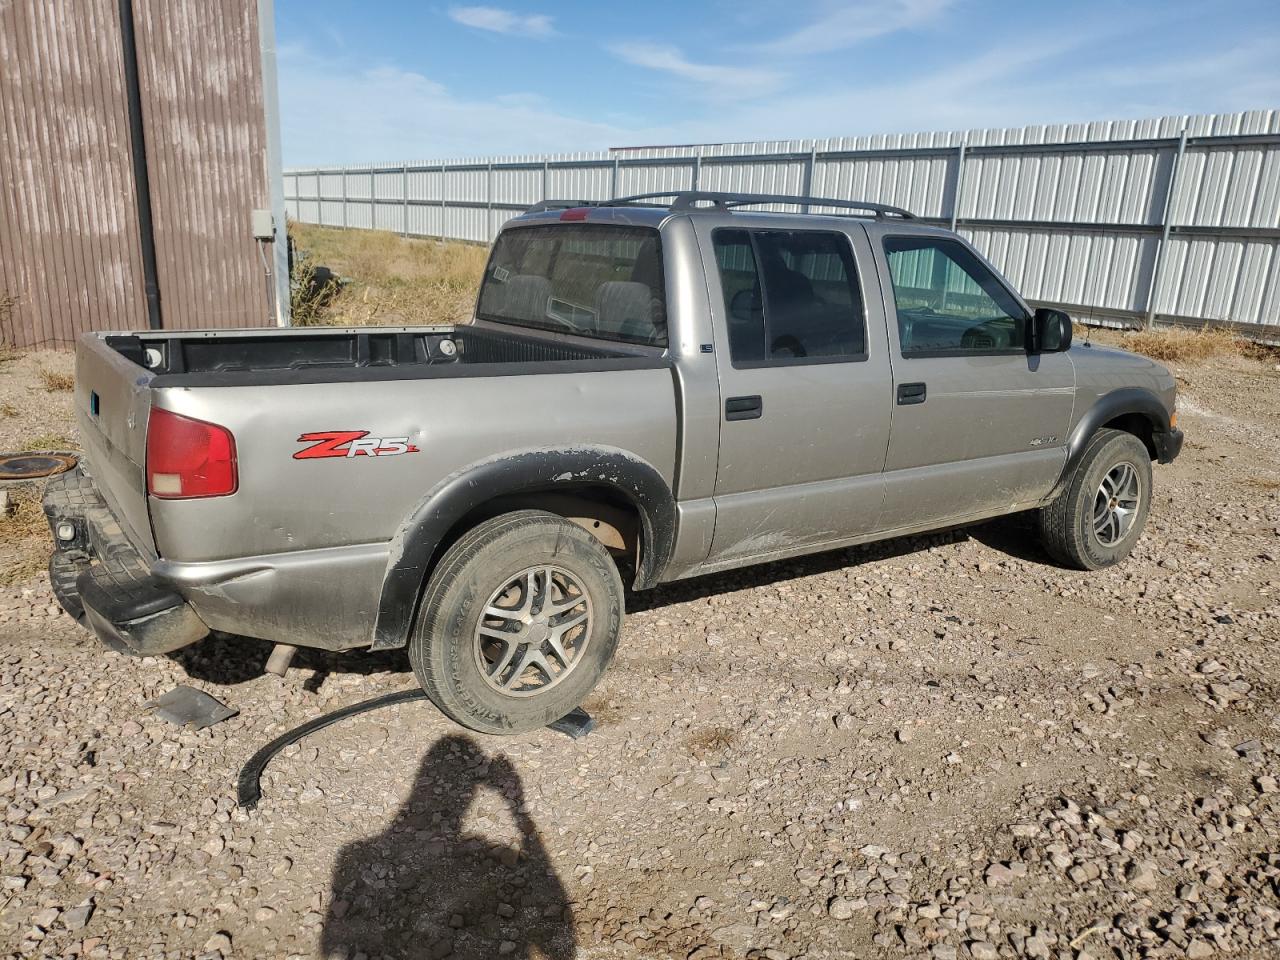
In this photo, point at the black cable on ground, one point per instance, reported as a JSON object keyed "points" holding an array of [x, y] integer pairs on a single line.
{"points": [[577, 723], [249, 784]]}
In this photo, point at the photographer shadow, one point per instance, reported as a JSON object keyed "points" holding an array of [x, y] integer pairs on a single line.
{"points": [[425, 889]]}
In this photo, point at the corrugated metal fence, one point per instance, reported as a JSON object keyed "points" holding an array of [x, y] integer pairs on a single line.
{"points": [[1176, 218]]}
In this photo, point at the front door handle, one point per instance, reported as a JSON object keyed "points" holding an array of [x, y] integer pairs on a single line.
{"points": [[910, 393], [743, 408]]}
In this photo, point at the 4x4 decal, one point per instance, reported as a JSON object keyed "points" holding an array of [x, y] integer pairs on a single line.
{"points": [[351, 443]]}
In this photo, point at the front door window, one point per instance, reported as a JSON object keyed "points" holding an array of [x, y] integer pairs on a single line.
{"points": [[948, 302]]}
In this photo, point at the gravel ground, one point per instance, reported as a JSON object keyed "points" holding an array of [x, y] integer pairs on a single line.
{"points": [[937, 746]]}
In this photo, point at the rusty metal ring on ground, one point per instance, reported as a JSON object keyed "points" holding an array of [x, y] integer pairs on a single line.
{"points": [[32, 466]]}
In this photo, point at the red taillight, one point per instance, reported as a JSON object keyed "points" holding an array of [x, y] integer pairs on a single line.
{"points": [[189, 458], [575, 213]]}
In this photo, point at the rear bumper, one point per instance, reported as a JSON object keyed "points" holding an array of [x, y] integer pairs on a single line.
{"points": [[104, 582], [1168, 445]]}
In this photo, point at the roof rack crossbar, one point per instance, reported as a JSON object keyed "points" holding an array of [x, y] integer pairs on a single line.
{"points": [[689, 201]]}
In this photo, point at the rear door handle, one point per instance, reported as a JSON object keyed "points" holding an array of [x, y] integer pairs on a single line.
{"points": [[743, 408], [910, 393]]}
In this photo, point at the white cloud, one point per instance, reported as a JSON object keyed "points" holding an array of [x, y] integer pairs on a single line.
{"points": [[846, 24], [335, 111], [714, 80], [1011, 85], [497, 20]]}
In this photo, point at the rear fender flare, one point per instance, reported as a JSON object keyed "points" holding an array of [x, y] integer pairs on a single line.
{"points": [[1117, 403], [416, 545]]}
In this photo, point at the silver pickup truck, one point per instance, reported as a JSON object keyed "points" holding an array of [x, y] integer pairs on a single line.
{"points": [[652, 388]]}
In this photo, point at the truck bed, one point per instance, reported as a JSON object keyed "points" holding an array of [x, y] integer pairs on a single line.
{"points": [[311, 355]]}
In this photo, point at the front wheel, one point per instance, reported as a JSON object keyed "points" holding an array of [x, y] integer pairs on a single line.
{"points": [[1096, 521], [518, 623]]}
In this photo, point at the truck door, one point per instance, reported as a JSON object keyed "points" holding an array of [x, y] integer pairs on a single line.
{"points": [[804, 381], [979, 424]]}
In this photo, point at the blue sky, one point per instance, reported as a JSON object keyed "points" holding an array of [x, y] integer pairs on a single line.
{"points": [[399, 80]]}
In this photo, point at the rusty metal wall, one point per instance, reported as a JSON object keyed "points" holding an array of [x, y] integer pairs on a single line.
{"points": [[69, 248], [201, 80], [69, 256]]}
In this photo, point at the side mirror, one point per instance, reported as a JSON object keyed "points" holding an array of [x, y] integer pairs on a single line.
{"points": [[1050, 331]]}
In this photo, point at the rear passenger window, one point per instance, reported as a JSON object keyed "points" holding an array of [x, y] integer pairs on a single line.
{"points": [[790, 296]]}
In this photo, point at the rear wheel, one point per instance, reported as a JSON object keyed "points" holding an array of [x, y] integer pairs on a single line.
{"points": [[518, 623], [1096, 521]]}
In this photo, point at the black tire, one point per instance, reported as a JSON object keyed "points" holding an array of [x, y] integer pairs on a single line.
{"points": [[443, 646], [1067, 524]]}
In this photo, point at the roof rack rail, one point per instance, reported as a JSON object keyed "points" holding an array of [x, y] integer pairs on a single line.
{"points": [[691, 201]]}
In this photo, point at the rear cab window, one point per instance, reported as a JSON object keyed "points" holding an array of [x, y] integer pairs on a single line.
{"points": [[595, 280], [790, 296]]}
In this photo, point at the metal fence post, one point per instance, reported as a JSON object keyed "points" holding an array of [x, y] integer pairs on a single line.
{"points": [[344, 196], [488, 206], [810, 162], [613, 183], [442, 200], [546, 180], [1170, 192], [373, 200], [958, 185], [319, 200], [404, 198]]}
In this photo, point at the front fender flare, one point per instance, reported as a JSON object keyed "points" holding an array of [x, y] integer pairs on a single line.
{"points": [[1117, 403], [416, 544]]}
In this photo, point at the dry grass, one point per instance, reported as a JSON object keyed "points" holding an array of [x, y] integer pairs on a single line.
{"points": [[56, 382], [712, 740], [387, 279], [24, 536], [48, 442], [1176, 344], [8, 410], [1261, 483]]}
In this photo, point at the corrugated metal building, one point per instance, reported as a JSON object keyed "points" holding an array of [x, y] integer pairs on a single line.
{"points": [[140, 168]]}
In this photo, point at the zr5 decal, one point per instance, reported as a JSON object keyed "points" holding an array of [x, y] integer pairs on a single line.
{"points": [[351, 443]]}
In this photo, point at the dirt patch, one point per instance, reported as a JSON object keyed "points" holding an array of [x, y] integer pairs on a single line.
{"points": [[31, 416]]}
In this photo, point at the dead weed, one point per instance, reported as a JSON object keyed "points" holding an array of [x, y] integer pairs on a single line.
{"points": [[24, 536], [712, 740], [56, 382]]}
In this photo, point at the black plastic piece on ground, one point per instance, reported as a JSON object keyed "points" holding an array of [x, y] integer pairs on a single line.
{"points": [[187, 706], [576, 723]]}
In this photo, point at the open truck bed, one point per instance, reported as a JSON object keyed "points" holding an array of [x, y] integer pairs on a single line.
{"points": [[336, 436]]}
